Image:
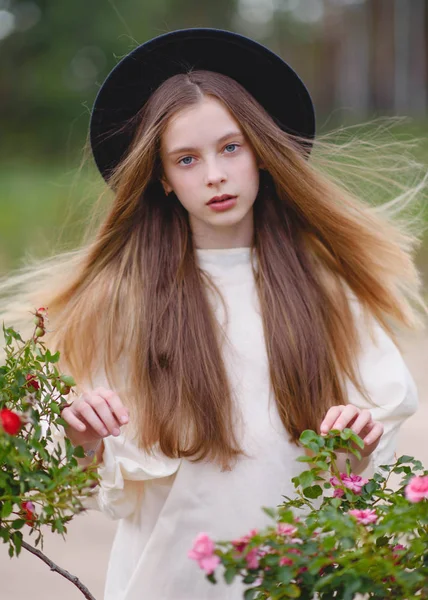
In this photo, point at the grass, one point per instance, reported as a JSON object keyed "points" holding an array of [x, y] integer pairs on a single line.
{"points": [[43, 208]]}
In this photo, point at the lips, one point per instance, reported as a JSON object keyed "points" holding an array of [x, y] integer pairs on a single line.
{"points": [[218, 199]]}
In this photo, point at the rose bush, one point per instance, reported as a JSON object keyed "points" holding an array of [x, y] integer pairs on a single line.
{"points": [[341, 535], [41, 482]]}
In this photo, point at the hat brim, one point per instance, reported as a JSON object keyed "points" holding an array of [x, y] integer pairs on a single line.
{"points": [[270, 80]]}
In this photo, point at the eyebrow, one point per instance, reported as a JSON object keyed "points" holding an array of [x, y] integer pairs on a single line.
{"points": [[219, 141]]}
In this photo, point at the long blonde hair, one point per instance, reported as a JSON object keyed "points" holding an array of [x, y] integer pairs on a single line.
{"points": [[133, 302]]}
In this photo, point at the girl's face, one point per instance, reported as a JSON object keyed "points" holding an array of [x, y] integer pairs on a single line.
{"points": [[205, 155]]}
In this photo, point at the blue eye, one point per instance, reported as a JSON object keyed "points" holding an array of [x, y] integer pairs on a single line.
{"points": [[230, 146], [185, 158]]}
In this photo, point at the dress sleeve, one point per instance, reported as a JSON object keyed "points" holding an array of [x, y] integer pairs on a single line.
{"points": [[389, 385], [123, 469]]}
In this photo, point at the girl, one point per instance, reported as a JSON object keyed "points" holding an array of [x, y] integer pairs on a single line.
{"points": [[232, 297]]}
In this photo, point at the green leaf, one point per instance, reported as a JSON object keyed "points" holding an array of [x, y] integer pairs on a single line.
{"points": [[382, 541], [285, 574], [357, 440], [313, 446], [404, 459], [292, 591], [308, 436], [78, 452], [54, 407], [351, 588], [55, 357], [306, 479], [312, 492], [355, 452], [346, 434], [17, 540], [48, 510], [250, 594], [6, 509], [322, 465], [68, 380], [4, 534], [271, 512], [330, 541], [58, 525], [230, 574], [272, 560], [370, 487]]}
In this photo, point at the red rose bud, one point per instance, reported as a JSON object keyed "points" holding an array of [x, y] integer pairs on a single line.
{"points": [[64, 389], [40, 332], [32, 381], [28, 509], [10, 421]]}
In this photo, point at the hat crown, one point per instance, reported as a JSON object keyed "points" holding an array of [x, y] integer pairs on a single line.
{"points": [[266, 76]]}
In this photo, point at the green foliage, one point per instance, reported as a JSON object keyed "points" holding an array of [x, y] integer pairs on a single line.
{"points": [[321, 548], [34, 468]]}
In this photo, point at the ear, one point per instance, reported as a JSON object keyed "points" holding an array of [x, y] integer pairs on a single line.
{"points": [[166, 187]]}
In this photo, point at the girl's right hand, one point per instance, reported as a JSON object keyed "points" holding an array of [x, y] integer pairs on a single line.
{"points": [[94, 415]]}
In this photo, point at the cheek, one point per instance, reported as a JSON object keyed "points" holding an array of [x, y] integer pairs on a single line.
{"points": [[250, 173], [183, 180]]}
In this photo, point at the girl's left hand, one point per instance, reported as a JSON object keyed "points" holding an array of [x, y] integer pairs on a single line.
{"points": [[360, 421]]}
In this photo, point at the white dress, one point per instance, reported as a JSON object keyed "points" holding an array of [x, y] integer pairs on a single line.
{"points": [[162, 503]]}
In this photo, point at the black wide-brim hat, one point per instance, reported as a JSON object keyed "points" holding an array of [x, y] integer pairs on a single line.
{"points": [[270, 80]]}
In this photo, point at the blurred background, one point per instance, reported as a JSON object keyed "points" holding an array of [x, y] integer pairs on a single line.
{"points": [[361, 60]]}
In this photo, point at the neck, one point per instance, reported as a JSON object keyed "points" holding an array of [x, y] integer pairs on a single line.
{"points": [[238, 235]]}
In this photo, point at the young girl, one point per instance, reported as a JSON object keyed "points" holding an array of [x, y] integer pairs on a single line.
{"points": [[232, 297]]}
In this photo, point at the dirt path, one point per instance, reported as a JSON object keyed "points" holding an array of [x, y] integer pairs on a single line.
{"points": [[85, 554]]}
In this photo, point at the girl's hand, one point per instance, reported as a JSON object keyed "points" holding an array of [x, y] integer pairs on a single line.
{"points": [[360, 421], [94, 415]]}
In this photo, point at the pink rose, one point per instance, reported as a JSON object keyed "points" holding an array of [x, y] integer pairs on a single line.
{"points": [[417, 489], [203, 553], [252, 559], [241, 543], [365, 517], [352, 482], [397, 553], [287, 561], [286, 529]]}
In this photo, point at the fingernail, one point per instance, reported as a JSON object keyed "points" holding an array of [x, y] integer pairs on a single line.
{"points": [[124, 419], [116, 432]]}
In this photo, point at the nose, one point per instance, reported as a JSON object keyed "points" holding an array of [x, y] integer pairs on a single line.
{"points": [[214, 173]]}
